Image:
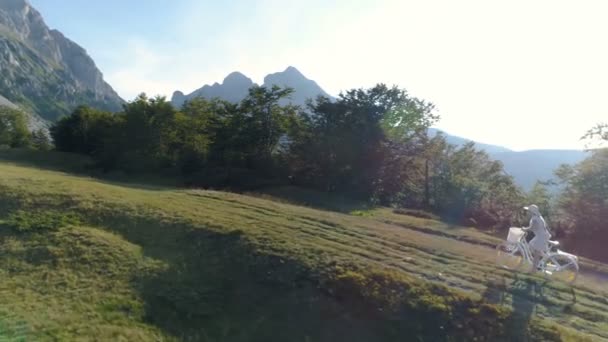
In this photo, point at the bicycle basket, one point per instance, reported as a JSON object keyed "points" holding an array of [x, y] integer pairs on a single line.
{"points": [[515, 234]]}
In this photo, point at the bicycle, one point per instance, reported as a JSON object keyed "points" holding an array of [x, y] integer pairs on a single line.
{"points": [[555, 263]]}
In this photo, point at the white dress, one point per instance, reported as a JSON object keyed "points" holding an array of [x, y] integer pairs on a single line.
{"points": [[541, 233]]}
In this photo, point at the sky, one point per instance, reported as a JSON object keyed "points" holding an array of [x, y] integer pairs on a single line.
{"points": [[520, 73]]}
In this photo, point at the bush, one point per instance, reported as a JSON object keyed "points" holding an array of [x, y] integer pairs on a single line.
{"points": [[35, 221], [13, 128], [416, 213]]}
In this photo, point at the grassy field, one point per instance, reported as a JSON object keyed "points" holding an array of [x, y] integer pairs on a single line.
{"points": [[89, 259]]}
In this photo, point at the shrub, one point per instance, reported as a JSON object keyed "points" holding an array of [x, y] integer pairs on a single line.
{"points": [[416, 213], [34, 221]]}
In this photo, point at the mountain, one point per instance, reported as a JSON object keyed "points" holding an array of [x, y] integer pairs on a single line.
{"points": [[459, 141], [292, 78], [235, 87], [526, 167], [42, 70], [34, 122], [7, 103]]}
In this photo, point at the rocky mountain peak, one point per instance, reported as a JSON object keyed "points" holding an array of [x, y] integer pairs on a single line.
{"points": [[45, 71], [235, 87], [293, 71], [237, 78]]}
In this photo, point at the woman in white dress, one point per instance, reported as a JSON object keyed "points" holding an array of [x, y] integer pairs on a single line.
{"points": [[538, 226]]}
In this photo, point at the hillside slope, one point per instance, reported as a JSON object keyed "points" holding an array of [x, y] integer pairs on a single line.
{"points": [[34, 121], [95, 259]]}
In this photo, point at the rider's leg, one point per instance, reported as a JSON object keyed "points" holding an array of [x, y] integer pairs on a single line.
{"points": [[536, 257], [537, 248]]}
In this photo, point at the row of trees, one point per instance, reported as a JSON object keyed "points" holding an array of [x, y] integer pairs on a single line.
{"points": [[151, 135], [369, 143]]}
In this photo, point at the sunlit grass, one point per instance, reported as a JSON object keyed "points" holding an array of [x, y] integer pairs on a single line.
{"points": [[148, 262]]}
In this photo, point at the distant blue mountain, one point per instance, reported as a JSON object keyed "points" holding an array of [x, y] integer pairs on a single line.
{"points": [[235, 87], [526, 167], [459, 141]]}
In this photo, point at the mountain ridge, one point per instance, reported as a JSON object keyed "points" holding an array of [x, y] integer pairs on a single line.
{"points": [[526, 167], [235, 87]]}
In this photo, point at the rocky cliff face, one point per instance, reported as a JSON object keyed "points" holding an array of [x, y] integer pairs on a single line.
{"points": [[34, 121], [6, 103], [235, 87], [42, 70]]}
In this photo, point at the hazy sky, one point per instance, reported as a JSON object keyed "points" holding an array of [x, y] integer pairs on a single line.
{"points": [[522, 74]]}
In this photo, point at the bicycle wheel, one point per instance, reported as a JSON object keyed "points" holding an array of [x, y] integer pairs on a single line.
{"points": [[562, 268], [509, 256]]}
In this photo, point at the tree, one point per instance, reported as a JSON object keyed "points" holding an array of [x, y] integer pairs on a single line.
{"points": [[584, 202], [347, 141], [84, 131], [148, 134], [467, 186], [600, 131], [198, 129], [13, 128], [41, 141], [265, 121], [540, 195]]}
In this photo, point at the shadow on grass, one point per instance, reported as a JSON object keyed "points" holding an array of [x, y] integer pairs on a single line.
{"points": [[217, 287], [524, 294]]}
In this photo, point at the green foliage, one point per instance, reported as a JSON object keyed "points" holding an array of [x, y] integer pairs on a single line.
{"points": [[13, 128], [37, 221], [369, 144], [85, 131], [265, 120], [540, 195], [344, 145], [584, 202], [41, 141], [150, 135], [467, 186]]}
